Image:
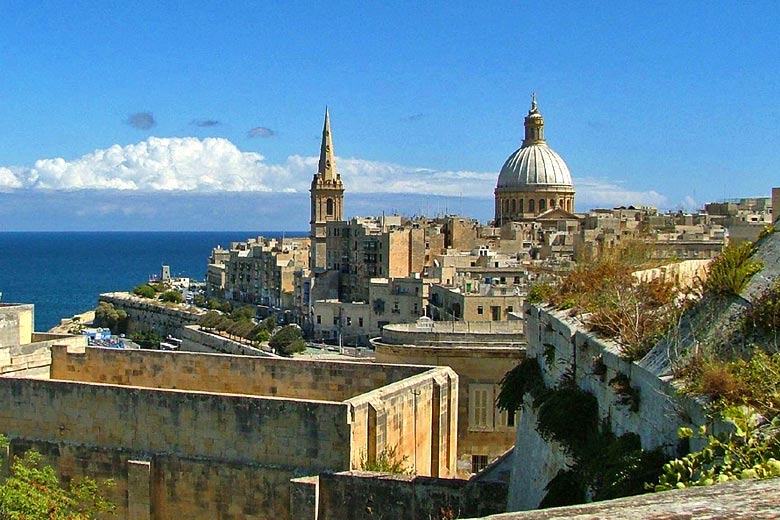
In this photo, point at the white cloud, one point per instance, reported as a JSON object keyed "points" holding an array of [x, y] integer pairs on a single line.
{"points": [[9, 180], [213, 165], [601, 193]]}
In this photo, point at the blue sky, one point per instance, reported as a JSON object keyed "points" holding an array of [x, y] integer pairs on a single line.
{"points": [[141, 116]]}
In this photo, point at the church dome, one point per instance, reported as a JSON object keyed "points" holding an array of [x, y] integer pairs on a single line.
{"points": [[532, 166], [534, 179]]}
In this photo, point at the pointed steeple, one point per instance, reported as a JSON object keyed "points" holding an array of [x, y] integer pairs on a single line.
{"points": [[534, 125], [327, 166]]}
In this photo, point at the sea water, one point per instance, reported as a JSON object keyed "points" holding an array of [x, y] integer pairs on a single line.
{"points": [[64, 273]]}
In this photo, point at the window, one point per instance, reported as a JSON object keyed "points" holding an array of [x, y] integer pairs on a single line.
{"points": [[481, 407], [349, 321], [478, 463], [509, 309], [319, 319], [335, 320], [360, 322], [495, 312], [329, 207], [480, 310]]}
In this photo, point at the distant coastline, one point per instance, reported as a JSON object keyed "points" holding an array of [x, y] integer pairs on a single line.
{"points": [[63, 273]]}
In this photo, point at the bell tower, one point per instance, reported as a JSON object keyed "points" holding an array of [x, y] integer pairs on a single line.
{"points": [[327, 198]]}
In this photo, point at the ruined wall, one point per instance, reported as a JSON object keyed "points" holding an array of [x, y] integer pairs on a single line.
{"points": [[295, 379], [359, 496], [560, 347], [477, 365], [147, 315]]}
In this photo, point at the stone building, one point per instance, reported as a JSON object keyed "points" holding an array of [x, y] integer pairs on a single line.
{"points": [[480, 353], [534, 178], [203, 436]]}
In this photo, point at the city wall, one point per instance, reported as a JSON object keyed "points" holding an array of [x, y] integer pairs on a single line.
{"points": [[366, 496], [229, 449], [561, 347], [456, 333], [151, 421], [148, 315], [196, 340], [273, 377]]}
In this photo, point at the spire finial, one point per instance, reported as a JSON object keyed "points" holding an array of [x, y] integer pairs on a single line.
{"points": [[534, 108], [327, 164]]}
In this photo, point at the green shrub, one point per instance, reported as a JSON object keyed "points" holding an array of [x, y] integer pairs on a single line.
{"points": [[144, 291], [387, 461], [730, 272], [172, 296], [751, 451]]}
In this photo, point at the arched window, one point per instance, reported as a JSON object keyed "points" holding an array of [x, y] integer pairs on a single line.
{"points": [[531, 206], [552, 203], [560, 203], [522, 210], [542, 205], [329, 207], [512, 205]]}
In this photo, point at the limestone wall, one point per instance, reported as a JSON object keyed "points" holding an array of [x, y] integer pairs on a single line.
{"points": [[226, 427], [682, 274], [196, 340], [415, 417], [359, 496], [289, 378], [570, 349], [482, 366], [16, 324], [147, 314]]}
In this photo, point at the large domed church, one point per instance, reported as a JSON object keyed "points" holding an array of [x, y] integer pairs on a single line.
{"points": [[534, 179]]}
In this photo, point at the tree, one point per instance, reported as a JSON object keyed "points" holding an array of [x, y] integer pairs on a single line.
{"points": [[32, 491], [172, 296], [144, 290], [288, 341], [243, 313], [209, 320], [106, 315]]}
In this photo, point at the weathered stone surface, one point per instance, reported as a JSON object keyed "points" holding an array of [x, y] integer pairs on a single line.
{"points": [[750, 499]]}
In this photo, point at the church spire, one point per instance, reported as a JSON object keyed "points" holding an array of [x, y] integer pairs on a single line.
{"points": [[534, 125], [327, 166]]}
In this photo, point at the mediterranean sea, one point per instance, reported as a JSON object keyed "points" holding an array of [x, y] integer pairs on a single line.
{"points": [[63, 273]]}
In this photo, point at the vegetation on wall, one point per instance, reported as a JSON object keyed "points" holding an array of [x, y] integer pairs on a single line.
{"points": [[732, 270], [386, 461], [604, 466], [612, 302], [33, 491]]}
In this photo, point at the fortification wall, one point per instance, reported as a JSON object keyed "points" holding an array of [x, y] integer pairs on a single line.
{"points": [[148, 315], [221, 426], [479, 365], [163, 486], [289, 378], [196, 340], [16, 324], [456, 332], [209, 452], [561, 347], [413, 416], [366, 496]]}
